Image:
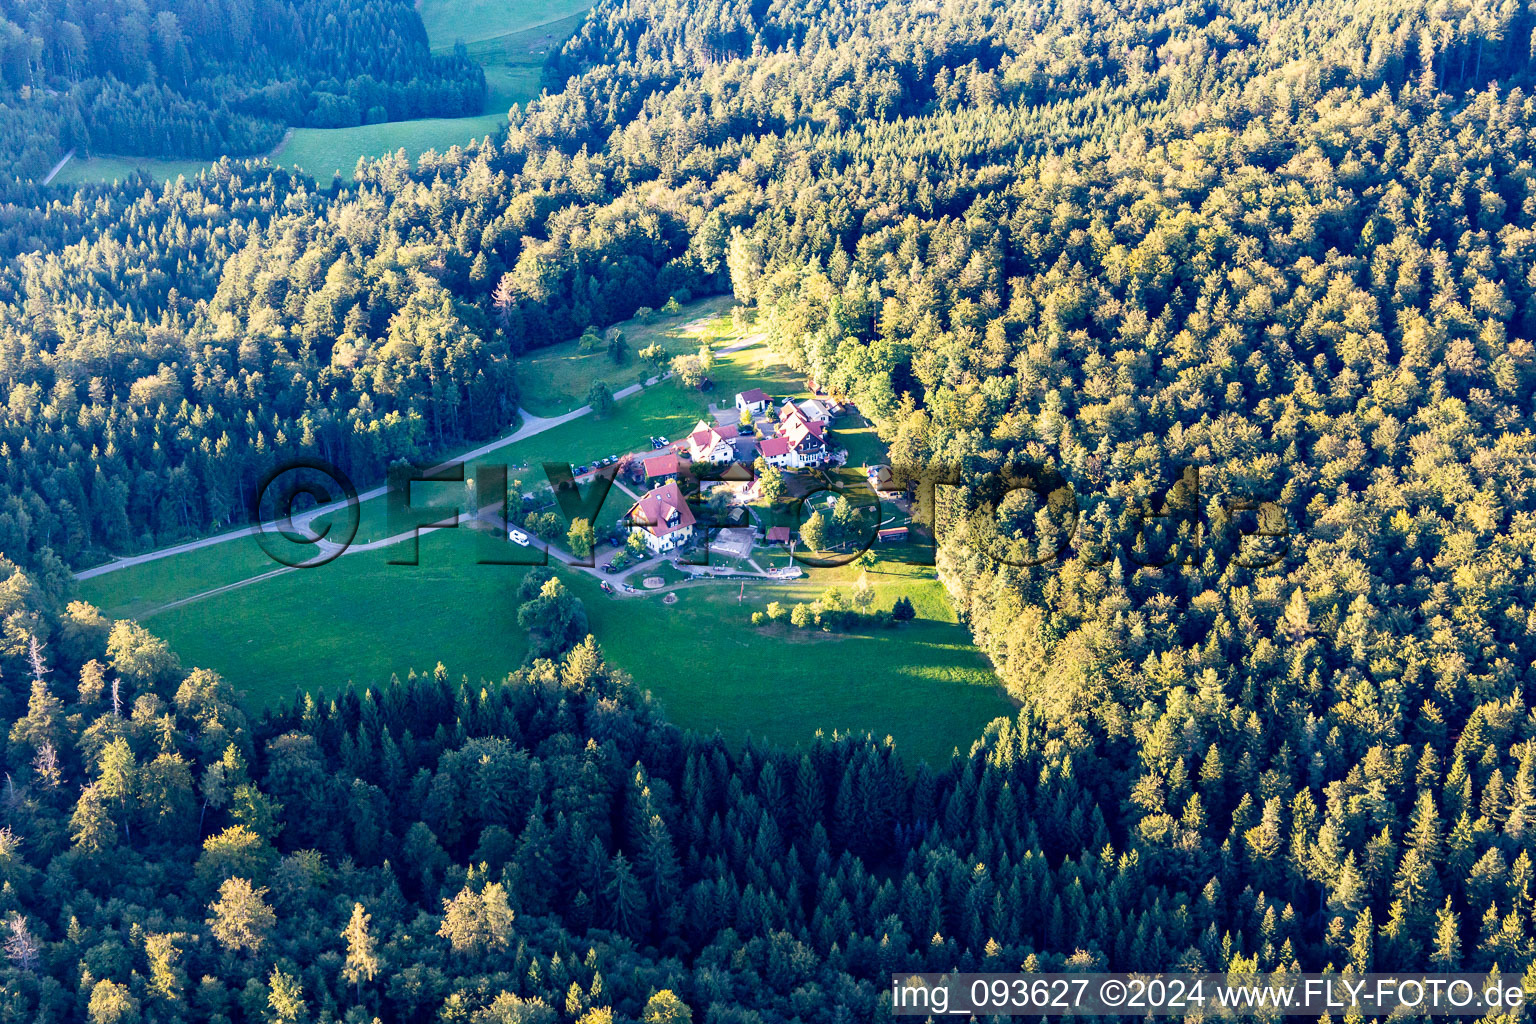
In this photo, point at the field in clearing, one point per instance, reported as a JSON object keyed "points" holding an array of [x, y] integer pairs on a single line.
{"points": [[509, 40], [555, 379], [321, 152], [120, 168], [360, 619], [478, 21]]}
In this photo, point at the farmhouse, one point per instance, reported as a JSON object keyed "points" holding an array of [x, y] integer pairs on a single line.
{"points": [[661, 468], [662, 518], [710, 443], [755, 401], [774, 451], [806, 446], [798, 445]]}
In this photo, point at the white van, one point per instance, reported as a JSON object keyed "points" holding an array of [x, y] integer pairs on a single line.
{"points": [[518, 536]]}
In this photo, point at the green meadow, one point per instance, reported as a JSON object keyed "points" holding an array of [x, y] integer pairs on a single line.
{"points": [[509, 40], [361, 618]]}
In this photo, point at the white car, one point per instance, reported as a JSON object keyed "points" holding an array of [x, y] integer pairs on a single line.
{"points": [[518, 536]]}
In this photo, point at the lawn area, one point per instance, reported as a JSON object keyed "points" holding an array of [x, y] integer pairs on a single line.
{"points": [[359, 619], [477, 21], [510, 40], [320, 152], [356, 619], [137, 590], [864, 445], [923, 683], [555, 379]]}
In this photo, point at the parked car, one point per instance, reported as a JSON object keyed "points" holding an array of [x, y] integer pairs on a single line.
{"points": [[582, 469], [610, 568], [518, 536]]}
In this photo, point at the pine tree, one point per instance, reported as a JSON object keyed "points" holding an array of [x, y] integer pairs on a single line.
{"points": [[241, 918], [362, 962]]}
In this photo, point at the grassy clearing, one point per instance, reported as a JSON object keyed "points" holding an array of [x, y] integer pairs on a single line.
{"points": [[555, 379], [137, 590], [475, 21], [360, 619], [121, 168], [923, 683], [357, 619], [510, 40], [320, 152]]}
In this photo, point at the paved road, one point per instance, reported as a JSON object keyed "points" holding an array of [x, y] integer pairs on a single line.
{"points": [[58, 167], [531, 425]]}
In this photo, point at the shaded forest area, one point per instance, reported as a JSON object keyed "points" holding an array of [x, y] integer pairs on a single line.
{"points": [[192, 78], [1291, 244]]}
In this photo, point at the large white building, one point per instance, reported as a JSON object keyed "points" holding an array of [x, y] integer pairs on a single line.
{"points": [[712, 443], [800, 442], [662, 517]]}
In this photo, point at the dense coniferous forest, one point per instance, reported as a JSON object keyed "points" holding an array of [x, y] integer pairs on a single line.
{"points": [[190, 78], [1293, 244]]}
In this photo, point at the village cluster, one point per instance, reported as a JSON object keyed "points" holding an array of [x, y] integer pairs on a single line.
{"points": [[796, 437], [786, 440]]}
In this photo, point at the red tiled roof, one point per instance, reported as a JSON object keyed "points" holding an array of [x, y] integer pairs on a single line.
{"points": [[778, 534], [661, 465], [656, 507], [773, 447], [754, 396], [708, 437], [798, 431]]}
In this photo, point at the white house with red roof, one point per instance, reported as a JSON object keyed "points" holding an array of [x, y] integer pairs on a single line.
{"points": [[755, 401], [661, 467], [799, 444], [712, 442], [662, 517]]}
